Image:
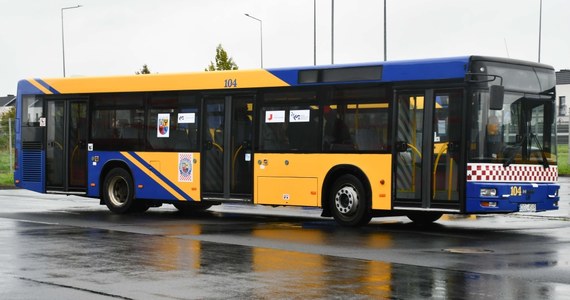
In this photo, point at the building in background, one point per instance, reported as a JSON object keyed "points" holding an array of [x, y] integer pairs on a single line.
{"points": [[6, 103], [562, 94]]}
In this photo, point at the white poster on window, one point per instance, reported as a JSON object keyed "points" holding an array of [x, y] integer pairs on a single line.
{"points": [[299, 116], [163, 126], [275, 116], [186, 118]]}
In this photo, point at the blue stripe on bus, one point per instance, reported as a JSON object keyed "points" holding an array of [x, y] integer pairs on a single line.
{"points": [[159, 175], [47, 86], [410, 70], [26, 88]]}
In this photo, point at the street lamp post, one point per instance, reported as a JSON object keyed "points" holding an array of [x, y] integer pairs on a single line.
{"points": [[385, 34], [260, 34], [539, 30], [332, 32], [63, 35], [315, 32]]}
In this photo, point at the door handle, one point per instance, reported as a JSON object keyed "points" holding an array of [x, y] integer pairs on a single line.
{"points": [[401, 146]]}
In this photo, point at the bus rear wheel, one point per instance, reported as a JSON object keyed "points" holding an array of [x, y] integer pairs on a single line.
{"points": [[349, 202], [118, 192]]}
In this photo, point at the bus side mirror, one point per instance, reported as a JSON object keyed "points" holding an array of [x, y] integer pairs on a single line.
{"points": [[497, 95]]}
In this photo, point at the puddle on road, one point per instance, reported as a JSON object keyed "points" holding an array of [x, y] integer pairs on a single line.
{"points": [[142, 266]]}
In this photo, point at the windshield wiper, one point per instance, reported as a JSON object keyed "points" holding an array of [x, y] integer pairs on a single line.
{"points": [[533, 137], [509, 160], [544, 160]]}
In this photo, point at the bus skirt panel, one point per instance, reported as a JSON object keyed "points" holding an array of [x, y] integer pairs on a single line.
{"points": [[166, 176]]}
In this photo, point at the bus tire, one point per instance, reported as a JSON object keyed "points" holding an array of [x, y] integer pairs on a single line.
{"points": [[349, 202], [191, 207], [118, 192], [424, 218]]}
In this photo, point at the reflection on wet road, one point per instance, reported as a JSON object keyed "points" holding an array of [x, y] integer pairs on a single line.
{"points": [[64, 251]]}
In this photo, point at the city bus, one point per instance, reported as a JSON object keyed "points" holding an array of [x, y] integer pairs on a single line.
{"points": [[416, 138]]}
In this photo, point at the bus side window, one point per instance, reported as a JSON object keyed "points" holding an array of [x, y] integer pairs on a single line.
{"points": [[304, 136], [336, 135], [182, 131], [368, 136], [356, 120], [290, 122], [273, 137]]}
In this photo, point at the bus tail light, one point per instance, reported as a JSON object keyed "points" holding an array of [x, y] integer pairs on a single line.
{"points": [[490, 204], [488, 192]]}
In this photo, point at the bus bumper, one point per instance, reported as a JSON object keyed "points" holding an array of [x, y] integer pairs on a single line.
{"points": [[488, 197]]}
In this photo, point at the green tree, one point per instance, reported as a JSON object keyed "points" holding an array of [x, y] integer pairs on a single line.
{"points": [[222, 61], [144, 70]]}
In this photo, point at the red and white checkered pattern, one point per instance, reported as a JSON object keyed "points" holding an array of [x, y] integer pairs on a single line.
{"points": [[512, 173]]}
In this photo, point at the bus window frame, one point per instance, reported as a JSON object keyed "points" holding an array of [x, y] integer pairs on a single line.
{"points": [[330, 99]]}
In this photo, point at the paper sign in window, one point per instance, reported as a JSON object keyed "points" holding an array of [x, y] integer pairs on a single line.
{"points": [[298, 116], [275, 116], [186, 118], [163, 126]]}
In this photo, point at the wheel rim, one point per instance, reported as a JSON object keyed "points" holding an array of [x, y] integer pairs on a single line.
{"points": [[346, 200], [118, 191]]}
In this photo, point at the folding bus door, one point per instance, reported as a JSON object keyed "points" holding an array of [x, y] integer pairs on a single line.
{"points": [[66, 146], [412, 159], [429, 161], [227, 168]]}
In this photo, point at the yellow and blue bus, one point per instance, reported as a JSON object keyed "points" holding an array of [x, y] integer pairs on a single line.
{"points": [[416, 138]]}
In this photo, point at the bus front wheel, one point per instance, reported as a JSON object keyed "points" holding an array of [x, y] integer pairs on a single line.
{"points": [[424, 218], [118, 192], [191, 207], [348, 202]]}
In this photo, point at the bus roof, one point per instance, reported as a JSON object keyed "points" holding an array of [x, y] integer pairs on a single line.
{"points": [[389, 71]]}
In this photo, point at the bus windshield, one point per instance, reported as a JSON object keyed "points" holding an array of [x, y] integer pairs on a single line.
{"points": [[521, 133]]}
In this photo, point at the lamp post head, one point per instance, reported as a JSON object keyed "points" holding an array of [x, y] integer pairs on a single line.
{"points": [[250, 16], [72, 7]]}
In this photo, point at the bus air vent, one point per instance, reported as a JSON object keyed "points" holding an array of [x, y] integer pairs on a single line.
{"points": [[32, 162]]}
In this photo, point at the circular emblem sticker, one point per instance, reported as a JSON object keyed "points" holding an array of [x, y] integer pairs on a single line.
{"points": [[184, 167]]}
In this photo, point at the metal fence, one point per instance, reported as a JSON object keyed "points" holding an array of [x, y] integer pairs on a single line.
{"points": [[6, 146], [562, 131]]}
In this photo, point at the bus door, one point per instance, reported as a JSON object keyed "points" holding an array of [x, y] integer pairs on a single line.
{"points": [[428, 149], [227, 158], [66, 146]]}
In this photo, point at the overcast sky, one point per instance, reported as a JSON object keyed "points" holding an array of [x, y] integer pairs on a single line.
{"points": [[115, 37]]}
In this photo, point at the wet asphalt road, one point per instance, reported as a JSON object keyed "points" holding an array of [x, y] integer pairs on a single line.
{"points": [[58, 247]]}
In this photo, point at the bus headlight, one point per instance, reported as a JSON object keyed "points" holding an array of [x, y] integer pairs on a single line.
{"points": [[488, 192]]}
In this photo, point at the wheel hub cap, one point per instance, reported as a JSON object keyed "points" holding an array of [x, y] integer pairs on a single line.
{"points": [[118, 191], [346, 200]]}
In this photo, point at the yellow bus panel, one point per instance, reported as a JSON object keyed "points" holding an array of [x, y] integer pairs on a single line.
{"points": [[163, 82], [377, 167], [288, 190]]}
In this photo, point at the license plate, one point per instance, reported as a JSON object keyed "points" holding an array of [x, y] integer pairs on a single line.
{"points": [[527, 207]]}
